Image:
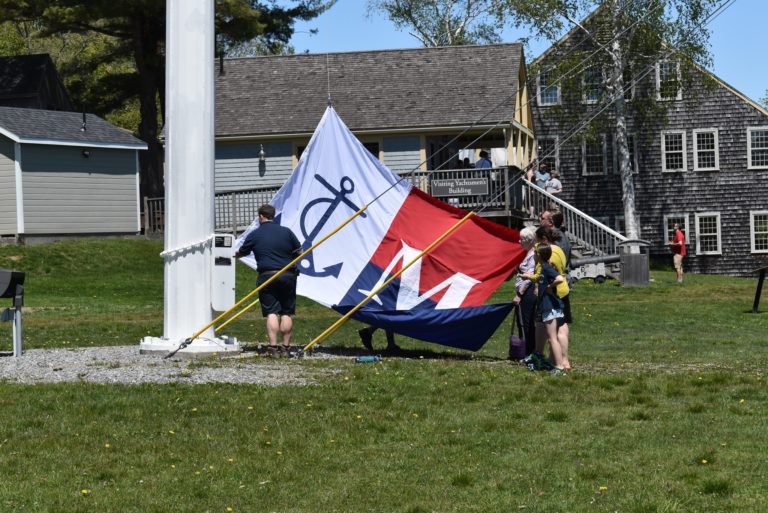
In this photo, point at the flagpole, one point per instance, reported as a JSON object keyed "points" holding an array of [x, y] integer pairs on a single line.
{"points": [[336, 325], [270, 280]]}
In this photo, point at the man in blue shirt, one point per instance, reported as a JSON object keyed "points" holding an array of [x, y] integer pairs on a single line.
{"points": [[274, 247], [541, 176], [484, 161]]}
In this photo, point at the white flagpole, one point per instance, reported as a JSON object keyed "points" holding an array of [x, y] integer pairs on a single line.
{"points": [[189, 186]]}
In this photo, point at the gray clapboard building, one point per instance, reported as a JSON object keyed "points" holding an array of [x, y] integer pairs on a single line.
{"points": [[700, 161], [404, 105], [64, 174]]}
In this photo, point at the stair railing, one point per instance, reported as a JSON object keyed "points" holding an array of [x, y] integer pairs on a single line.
{"points": [[591, 234]]}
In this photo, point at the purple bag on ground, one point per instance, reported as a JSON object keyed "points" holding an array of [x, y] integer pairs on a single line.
{"points": [[517, 349]]}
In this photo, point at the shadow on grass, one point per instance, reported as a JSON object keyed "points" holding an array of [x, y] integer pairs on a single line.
{"points": [[353, 352]]}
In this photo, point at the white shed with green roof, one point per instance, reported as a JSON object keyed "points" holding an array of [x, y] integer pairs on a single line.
{"points": [[66, 174]]}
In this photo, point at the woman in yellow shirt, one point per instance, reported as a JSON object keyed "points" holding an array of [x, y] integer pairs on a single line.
{"points": [[558, 261]]}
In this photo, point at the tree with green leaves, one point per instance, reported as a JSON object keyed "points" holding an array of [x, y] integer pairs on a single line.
{"points": [[625, 38], [133, 33], [629, 43], [461, 22]]}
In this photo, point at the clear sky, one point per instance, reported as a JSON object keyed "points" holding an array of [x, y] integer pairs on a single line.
{"points": [[738, 42]]}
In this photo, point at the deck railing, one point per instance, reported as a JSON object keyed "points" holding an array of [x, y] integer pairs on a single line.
{"points": [[485, 190]]}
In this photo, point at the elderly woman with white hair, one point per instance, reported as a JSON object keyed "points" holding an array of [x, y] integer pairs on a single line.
{"points": [[525, 295]]}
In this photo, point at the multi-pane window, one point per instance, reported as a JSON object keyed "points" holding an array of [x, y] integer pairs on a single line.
{"points": [[668, 81], [673, 151], [593, 156], [757, 148], [632, 147], [669, 225], [548, 152], [592, 80], [705, 154], [758, 228], [549, 89], [708, 234]]}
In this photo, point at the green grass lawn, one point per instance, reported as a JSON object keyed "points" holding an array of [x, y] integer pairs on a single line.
{"points": [[665, 411]]}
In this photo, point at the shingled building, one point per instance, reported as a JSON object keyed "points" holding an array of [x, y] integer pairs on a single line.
{"points": [[701, 160], [406, 106]]}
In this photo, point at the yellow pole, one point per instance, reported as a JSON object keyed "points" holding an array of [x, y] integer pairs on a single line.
{"points": [[336, 325], [238, 314], [278, 273]]}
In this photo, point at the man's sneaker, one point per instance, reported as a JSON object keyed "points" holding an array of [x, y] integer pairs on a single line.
{"points": [[285, 351], [557, 372], [273, 351], [366, 337]]}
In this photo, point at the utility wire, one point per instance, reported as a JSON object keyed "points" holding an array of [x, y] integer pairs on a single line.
{"points": [[717, 12]]}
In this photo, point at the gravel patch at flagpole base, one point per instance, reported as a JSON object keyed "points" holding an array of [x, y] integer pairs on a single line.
{"points": [[124, 365]]}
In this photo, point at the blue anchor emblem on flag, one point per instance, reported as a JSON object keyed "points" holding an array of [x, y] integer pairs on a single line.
{"points": [[346, 187]]}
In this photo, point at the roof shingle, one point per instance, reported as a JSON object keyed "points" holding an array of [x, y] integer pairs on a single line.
{"points": [[390, 89], [63, 127]]}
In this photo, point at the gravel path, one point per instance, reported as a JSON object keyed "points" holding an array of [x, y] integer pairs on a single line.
{"points": [[124, 365]]}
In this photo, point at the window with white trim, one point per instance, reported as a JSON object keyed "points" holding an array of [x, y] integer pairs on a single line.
{"points": [[758, 230], [549, 153], [706, 151], [670, 220], [708, 233], [757, 148], [673, 150], [593, 156], [591, 84], [668, 80], [632, 147], [548, 88]]}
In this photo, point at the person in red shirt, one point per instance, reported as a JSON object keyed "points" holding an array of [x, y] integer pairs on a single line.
{"points": [[677, 245]]}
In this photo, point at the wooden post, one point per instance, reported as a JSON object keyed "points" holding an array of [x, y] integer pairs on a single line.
{"points": [[233, 214], [146, 216], [759, 290]]}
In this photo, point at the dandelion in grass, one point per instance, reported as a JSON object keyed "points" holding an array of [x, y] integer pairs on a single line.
{"points": [[171, 432], [250, 407], [229, 509], [359, 417], [279, 453], [346, 378], [194, 410], [231, 460], [742, 401], [107, 446], [415, 415], [173, 466], [704, 462], [85, 491], [603, 488], [197, 472]]}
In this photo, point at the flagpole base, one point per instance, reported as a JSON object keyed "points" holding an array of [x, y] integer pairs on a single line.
{"points": [[199, 347]]}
